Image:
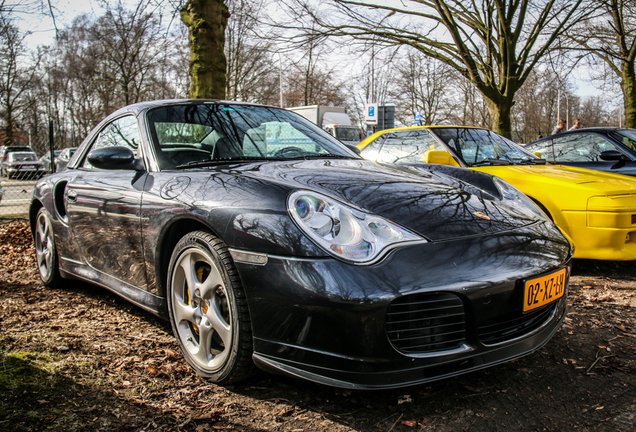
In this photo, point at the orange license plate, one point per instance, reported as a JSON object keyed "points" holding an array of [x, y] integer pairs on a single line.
{"points": [[543, 290]]}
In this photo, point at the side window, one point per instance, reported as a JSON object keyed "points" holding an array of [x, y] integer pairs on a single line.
{"points": [[580, 148], [123, 132], [370, 152], [545, 148], [407, 146]]}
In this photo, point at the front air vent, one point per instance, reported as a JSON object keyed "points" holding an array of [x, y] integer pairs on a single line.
{"points": [[58, 194], [515, 325], [425, 323]]}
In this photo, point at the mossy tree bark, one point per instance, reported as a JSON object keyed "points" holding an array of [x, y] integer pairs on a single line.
{"points": [[628, 84], [206, 21], [499, 111]]}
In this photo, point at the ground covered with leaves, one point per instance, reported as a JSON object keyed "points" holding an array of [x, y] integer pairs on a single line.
{"points": [[80, 358]]}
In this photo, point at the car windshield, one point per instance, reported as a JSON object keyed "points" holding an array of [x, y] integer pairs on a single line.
{"points": [[207, 134], [347, 134], [627, 137], [484, 147], [22, 157]]}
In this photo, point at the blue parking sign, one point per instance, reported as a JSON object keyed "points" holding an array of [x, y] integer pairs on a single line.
{"points": [[417, 117], [371, 111]]}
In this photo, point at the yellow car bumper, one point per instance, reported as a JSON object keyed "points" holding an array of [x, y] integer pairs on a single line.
{"points": [[607, 230]]}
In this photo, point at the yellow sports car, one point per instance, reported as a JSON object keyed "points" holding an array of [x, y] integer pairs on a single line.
{"points": [[597, 210]]}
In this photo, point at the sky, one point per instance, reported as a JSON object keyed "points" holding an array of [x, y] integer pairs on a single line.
{"points": [[42, 31], [41, 25]]}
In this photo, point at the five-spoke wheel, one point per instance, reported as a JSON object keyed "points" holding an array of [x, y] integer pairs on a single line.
{"points": [[207, 309], [45, 252]]}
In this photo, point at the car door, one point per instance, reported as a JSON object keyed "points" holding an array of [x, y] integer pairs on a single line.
{"points": [[584, 150], [103, 208]]}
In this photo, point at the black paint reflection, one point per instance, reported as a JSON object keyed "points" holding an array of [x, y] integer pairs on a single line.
{"points": [[337, 295]]}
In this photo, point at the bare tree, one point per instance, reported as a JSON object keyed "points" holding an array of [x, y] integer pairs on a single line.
{"points": [[535, 111], [611, 38], [423, 84], [310, 81], [471, 109], [494, 44], [130, 43], [17, 75], [252, 74]]}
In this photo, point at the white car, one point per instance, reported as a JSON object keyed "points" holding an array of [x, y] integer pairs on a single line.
{"points": [[23, 165]]}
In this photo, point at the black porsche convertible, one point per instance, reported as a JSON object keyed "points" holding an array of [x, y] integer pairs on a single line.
{"points": [[269, 244]]}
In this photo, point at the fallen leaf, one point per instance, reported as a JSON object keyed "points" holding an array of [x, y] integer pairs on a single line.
{"points": [[404, 399], [152, 371], [409, 423]]}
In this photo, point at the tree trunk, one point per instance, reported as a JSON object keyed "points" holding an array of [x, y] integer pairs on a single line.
{"points": [[206, 21], [628, 84], [500, 116]]}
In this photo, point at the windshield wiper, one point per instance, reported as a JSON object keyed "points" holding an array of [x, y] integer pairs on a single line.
{"points": [[493, 161], [531, 161], [321, 155], [212, 162]]}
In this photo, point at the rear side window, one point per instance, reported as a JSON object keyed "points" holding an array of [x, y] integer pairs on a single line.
{"points": [[586, 147]]}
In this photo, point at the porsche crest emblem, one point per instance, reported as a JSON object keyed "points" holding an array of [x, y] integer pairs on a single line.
{"points": [[482, 215]]}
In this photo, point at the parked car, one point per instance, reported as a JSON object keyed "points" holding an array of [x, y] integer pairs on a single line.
{"points": [[597, 210], [265, 242], [606, 149], [64, 157], [5, 151], [46, 160], [23, 165]]}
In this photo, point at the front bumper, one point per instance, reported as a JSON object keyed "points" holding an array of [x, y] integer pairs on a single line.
{"points": [[606, 231], [326, 321]]}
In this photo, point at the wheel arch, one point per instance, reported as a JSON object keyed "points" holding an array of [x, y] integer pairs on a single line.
{"points": [[168, 240], [35, 207], [542, 207]]}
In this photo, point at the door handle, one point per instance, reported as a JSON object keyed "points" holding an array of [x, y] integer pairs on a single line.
{"points": [[71, 196]]}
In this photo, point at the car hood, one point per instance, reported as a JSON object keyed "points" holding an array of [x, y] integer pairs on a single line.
{"points": [[572, 186], [434, 205]]}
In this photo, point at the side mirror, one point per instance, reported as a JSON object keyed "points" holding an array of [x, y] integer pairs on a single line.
{"points": [[537, 154], [613, 155], [353, 148], [115, 158], [439, 157]]}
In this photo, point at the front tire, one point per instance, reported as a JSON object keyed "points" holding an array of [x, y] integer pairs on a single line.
{"points": [[208, 310], [45, 250]]}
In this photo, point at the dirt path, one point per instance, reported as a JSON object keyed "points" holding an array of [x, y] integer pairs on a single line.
{"points": [[81, 358]]}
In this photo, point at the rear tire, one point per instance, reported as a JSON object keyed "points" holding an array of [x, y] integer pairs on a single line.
{"points": [[45, 250], [208, 309]]}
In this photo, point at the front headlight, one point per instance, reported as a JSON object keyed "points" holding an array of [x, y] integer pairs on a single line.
{"points": [[517, 198], [345, 232]]}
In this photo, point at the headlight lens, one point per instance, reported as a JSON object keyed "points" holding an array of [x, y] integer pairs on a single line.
{"points": [[345, 232], [511, 193]]}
